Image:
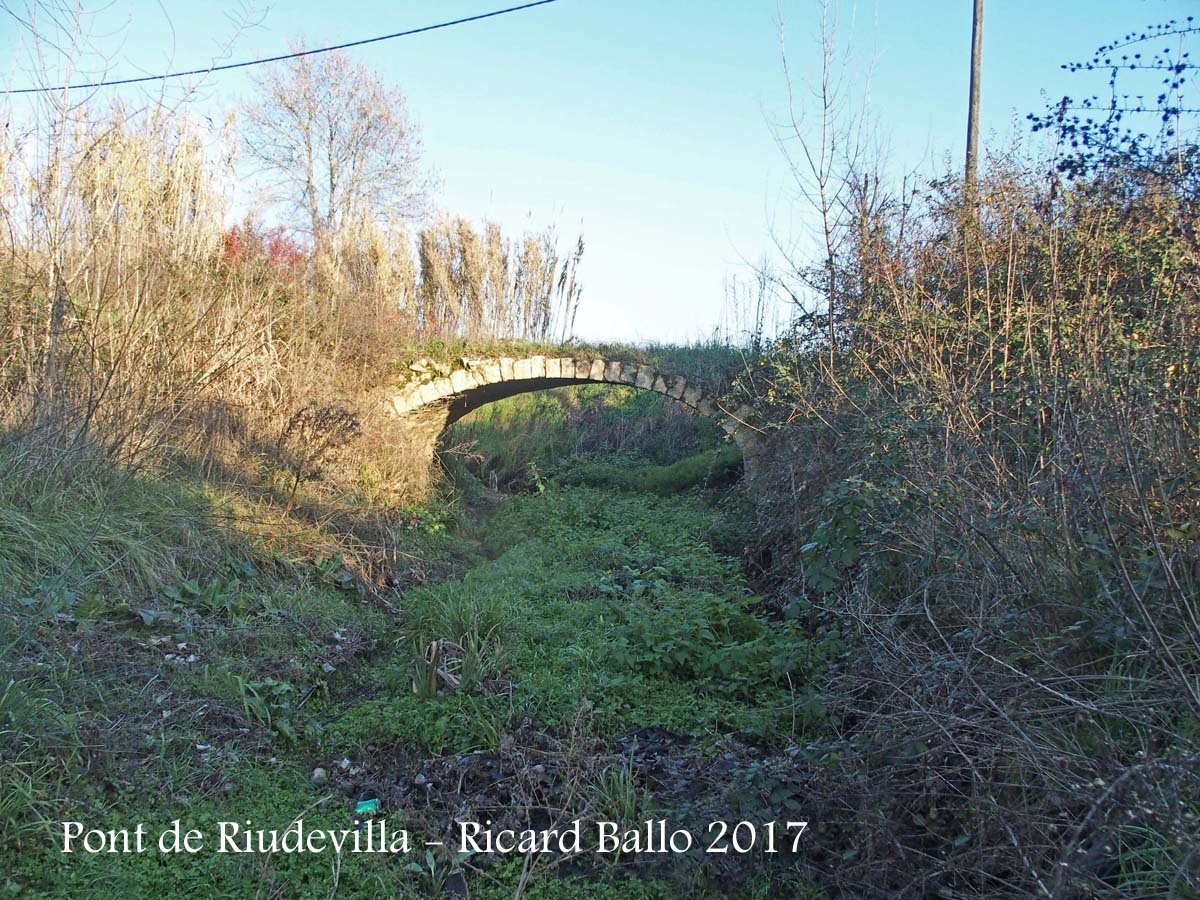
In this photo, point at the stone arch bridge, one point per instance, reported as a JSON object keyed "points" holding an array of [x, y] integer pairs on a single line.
{"points": [[439, 394]]}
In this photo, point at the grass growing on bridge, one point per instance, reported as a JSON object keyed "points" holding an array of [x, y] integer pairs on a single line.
{"points": [[713, 362]]}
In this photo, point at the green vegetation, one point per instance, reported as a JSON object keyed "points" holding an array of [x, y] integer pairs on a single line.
{"points": [[597, 602]]}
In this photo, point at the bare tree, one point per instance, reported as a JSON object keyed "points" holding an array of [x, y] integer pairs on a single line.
{"points": [[823, 143], [336, 143]]}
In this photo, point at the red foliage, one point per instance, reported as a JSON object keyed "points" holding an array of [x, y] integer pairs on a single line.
{"points": [[275, 248], [233, 245], [284, 254]]}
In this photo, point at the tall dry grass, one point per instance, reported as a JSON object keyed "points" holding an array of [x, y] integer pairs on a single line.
{"points": [[136, 325]]}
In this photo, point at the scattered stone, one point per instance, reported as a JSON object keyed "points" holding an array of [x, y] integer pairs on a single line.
{"points": [[328, 668], [318, 777]]}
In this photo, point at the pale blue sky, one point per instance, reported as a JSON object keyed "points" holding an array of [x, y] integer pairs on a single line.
{"points": [[647, 125]]}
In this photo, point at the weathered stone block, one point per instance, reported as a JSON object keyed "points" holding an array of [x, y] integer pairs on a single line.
{"points": [[461, 380], [678, 386], [596, 370], [506, 367], [628, 373], [522, 369], [645, 376], [612, 371], [554, 368], [537, 366]]}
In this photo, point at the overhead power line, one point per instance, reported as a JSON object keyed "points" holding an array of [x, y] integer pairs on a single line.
{"points": [[272, 59]]}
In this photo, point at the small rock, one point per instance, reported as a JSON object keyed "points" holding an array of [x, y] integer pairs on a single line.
{"points": [[318, 777], [344, 764], [328, 668]]}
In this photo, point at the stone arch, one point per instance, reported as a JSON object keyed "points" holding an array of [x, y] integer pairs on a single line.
{"points": [[440, 395]]}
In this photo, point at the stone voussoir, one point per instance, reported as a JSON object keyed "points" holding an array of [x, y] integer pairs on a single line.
{"points": [[461, 380]]}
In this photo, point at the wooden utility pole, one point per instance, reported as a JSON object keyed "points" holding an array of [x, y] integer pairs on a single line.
{"points": [[973, 106]]}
